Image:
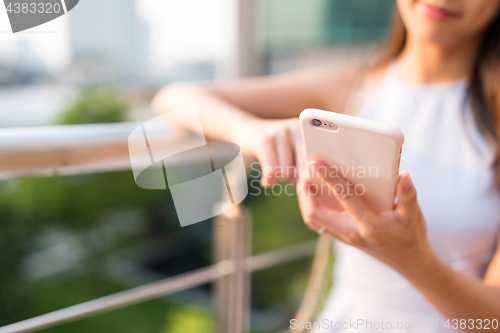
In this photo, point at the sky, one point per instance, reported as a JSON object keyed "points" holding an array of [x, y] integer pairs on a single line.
{"points": [[187, 30]]}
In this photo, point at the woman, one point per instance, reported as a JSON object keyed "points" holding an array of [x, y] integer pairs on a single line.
{"points": [[431, 264]]}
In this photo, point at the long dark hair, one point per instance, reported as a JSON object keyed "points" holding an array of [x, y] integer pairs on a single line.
{"points": [[484, 86]]}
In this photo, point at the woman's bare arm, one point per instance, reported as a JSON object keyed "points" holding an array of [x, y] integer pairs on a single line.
{"points": [[493, 273], [458, 296], [253, 112], [223, 105]]}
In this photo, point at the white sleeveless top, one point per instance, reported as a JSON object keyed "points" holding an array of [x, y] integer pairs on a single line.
{"points": [[450, 165]]}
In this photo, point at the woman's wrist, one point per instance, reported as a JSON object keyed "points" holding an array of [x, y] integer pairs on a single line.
{"points": [[421, 266], [244, 130]]}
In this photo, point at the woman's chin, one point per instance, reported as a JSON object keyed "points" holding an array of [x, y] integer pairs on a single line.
{"points": [[439, 36]]}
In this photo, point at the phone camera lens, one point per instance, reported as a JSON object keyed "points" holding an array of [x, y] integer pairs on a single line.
{"points": [[316, 122]]}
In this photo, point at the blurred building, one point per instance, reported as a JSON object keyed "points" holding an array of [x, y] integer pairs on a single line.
{"points": [[301, 33], [109, 42]]}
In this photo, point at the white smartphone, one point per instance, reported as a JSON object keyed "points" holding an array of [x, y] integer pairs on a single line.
{"points": [[365, 152]]}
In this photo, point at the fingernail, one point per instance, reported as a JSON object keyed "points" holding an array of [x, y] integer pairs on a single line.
{"points": [[406, 182]]}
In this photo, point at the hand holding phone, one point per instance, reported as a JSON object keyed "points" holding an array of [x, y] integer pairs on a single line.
{"points": [[364, 152]]}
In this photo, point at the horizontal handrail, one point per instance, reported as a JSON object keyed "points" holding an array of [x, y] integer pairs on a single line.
{"points": [[159, 288], [74, 149], [280, 256], [115, 301]]}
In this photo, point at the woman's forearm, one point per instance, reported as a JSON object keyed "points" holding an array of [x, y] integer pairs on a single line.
{"points": [[247, 115], [453, 294], [227, 109], [220, 119]]}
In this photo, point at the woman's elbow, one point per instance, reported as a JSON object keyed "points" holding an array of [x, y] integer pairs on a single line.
{"points": [[174, 95]]}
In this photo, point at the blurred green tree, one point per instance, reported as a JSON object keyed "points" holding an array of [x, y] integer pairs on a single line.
{"points": [[95, 104], [182, 319], [77, 203]]}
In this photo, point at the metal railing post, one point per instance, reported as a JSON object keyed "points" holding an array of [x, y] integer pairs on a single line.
{"points": [[232, 292]]}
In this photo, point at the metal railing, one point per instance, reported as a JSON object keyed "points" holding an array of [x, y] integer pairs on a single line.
{"points": [[76, 149]]}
